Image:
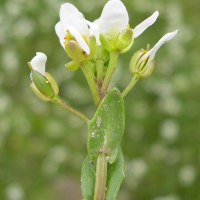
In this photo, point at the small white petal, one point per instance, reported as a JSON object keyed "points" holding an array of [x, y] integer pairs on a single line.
{"points": [[140, 28], [151, 54], [60, 33], [79, 39], [38, 62], [114, 18], [70, 16], [163, 40], [94, 29]]}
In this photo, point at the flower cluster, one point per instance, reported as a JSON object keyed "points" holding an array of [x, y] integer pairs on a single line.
{"points": [[92, 44]]}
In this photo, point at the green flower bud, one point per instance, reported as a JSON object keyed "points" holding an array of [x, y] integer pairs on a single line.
{"points": [[125, 40], [72, 65], [101, 54], [43, 85]]}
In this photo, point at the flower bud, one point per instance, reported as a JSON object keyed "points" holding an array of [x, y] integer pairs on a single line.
{"points": [[101, 54], [43, 85], [125, 40], [72, 65]]}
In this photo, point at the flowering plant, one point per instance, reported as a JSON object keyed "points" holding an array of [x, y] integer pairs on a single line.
{"points": [[95, 48]]}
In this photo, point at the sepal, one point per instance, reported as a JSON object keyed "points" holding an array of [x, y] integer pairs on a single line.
{"points": [[45, 84], [52, 82], [125, 40], [39, 94], [140, 66], [106, 41], [77, 54]]}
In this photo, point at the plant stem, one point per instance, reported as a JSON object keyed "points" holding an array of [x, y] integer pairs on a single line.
{"points": [[101, 177], [134, 79], [110, 71], [58, 101], [87, 70], [99, 67]]}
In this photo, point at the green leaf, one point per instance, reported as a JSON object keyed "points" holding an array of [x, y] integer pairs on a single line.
{"points": [[88, 178], [115, 176], [107, 127], [42, 83]]}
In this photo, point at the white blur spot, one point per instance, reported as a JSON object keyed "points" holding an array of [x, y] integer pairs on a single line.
{"points": [[14, 191], [187, 175], [169, 130]]}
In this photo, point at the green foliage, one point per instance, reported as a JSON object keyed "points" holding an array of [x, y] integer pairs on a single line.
{"points": [[88, 178], [115, 176], [107, 127]]}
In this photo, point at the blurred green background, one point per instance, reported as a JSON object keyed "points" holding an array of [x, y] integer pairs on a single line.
{"points": [[42, 147]]}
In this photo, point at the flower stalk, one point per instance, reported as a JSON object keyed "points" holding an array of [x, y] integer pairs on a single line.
{"points": [[110, 71], [89, 75], [135, 78], [58, 101]]}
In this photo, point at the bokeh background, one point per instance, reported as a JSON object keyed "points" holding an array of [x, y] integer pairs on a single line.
{"points": [[42, 147]]}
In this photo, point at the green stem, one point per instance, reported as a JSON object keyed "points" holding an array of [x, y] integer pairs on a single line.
{"points": [[110, 71], [99, 67], [58, 101], [134, 79], [101, 177], [87, 70]]}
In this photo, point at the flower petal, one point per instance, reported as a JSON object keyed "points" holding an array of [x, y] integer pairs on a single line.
{"points": [[164, 39], [38, 62], [60, 33], [94, 29], [114, 18], [140, 28], [79, 39], [70, 16]]}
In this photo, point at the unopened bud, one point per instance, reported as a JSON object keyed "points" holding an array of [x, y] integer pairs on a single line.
{"points": [[101, 54], [72, 65]]}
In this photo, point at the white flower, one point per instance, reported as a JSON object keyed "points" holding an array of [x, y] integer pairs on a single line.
{"points": [[38, 62], [151, 53], [114, 19], [73, 21]]}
